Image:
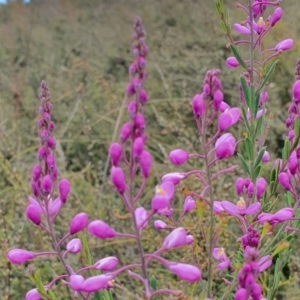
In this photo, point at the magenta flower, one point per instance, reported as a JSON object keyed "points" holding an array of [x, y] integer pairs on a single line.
{"points": [[296, 91], [74, 246], [101, 230], [241, 29], [228, 118], [185, 272], [19, 256], [218, 208], [219, 254], [106, 264], [261, 186], [138, 148], [176, 238], [78, 223], [224, 106], [241, 294], [159, 224], [266, 157], [293, 163], [163, 194], [33, 295], [46, 184], [96, 283], [217, 99], [225, 146], [240, 208], [277, 15], [232, 62], [115, 153], [178, 156], [145, 163], [284, 45], [284, 214], [76, 282], [239, 186], [125, 132], [189, 204], [285, 180], [141, 217], [117, 177], [189, 239], [264, 263]]}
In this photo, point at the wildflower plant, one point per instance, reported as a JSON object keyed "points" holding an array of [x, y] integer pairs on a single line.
{"points": [[265, 230]]}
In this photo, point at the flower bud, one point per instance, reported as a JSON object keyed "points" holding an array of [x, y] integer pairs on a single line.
{"points": [[284, 180], [239, 186], [35, 187], [96, 283], [33, 295], [143, 97], [159, 224], [145, 163], [130, 89], [74, 246], [115, 153], [51, 126], [266, 157], [76, 282], [19, 256], [101, 230], [106, 264], [178, 156], [137, 148], [141, 217], [261, 186], [175, 177], [36, 172], [217, 99], [64, 190], [199, 106], [50, 162], [33, 214], [232, 62], [41, 153], [139, 121], [225, 146], [125, 132], [277, 15], [132, 109], [54, 206], [176, 238], [189, 204], [284, 45], [296, 91], [78, 223], [185, 272], [241, 29], [189, 239], [51, 142], [117, 177], [46, 184]]}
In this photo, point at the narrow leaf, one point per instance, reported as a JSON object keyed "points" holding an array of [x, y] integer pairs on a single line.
{"points": [[244, 164], [237, 56], [267, 77], [259, 157]]}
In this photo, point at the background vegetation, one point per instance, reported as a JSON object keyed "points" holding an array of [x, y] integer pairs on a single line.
{"points": [[83, 50]]}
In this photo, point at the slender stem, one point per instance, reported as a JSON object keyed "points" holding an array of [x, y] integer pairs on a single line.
{"points": [[251, 42]]}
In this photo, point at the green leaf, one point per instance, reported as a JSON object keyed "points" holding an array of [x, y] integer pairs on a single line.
{"points": [[258, 127], [244, 164], [259, 157], [153, 284], [267, 77], [256, 172], [51, 294], [286, 150], [252, 100], [248, 148], [245, 119], [237, 56], [296, 126]]}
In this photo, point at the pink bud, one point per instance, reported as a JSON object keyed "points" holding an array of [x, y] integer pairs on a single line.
{"points": [[141, 217], [46, 184], [174, 177], [145, 163], [106, 264], [51, 126], [50, 162], [96, 283], [33, 214], [41, 153], [163, 195], [36, 172], [33, 295], [78, 223], [51, 142], [132, 69], [19, 256], [143, 97], [130, 89], [224, 106], [178, 156], [199, 106], [35, 187], [137, 148], [185, 272], [225, 146], [284, 180], [115, 152], [64, 190], [125, 132], [239, 186], [132, 109], [189, 204], [74, 246], [296, 91], [250, 189], [232, 62], [241, 29], [76, 282], [241, 294], [266, 157], [206, 89], [139, 121], [277, 15], [176, 238], [284, 45], [142, 62], [293, 163], [261, 186], [101, 230], [217, 99], [117, 177], [189, 239], [54, 206], [159, 224]]}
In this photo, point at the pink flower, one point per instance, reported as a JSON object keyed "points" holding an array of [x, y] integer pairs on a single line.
{"points": [[296, 90], [74, 246], [19, 256], [189, 204], [217, 99], [163, 194], [228, 118], [101, 230], [189, 239], [118, 179], [145, 163], [199, 106], [141, 216], [33, 214], [78, 223], [232, 62], [277, 15], [64, 190], [125, 132], [33, 295], [219, 254], [178, 156], [284, 45], [96, 283], [225, 146], [176, 238], [285, 181], [239, 186], [76, 282], [185, 272], [293, 163], [115, 152], [261, 186], [174, 177], [284, 214], [218, 207], [159, 224], [137, 148], [266, 157], [264, 263], [240, 208]]}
